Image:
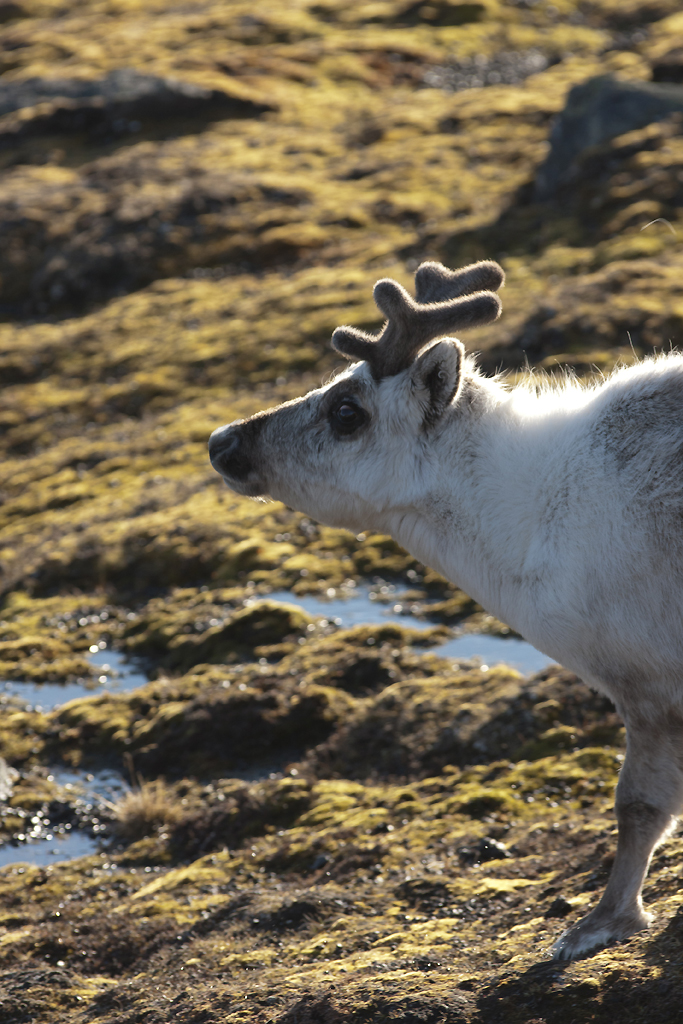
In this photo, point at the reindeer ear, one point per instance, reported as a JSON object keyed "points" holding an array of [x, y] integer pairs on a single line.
{"points": [[437, 375]]}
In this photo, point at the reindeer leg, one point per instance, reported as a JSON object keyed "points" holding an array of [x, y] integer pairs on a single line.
{"points": [[648, 797]]}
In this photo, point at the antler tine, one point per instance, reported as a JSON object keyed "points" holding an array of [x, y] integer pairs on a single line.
{"points": [[435, 283], [411, 325]]}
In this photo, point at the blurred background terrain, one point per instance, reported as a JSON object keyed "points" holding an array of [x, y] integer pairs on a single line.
{"points": [[283, 789]]}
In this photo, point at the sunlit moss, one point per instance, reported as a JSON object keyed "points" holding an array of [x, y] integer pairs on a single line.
{"points": [[176, 275]]}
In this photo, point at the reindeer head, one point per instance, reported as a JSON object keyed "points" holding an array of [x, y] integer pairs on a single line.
{"points": [[362, 441]]}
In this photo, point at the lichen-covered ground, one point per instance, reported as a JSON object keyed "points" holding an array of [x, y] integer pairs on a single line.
{"points": [[418, 832]]}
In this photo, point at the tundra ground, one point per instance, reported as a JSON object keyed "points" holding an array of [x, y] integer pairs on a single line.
{"points": [[416, 833]]}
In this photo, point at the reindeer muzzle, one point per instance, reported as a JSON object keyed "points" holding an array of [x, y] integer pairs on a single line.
{"points": [[230, 450]]}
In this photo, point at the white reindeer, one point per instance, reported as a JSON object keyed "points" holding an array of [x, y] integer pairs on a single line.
{"points": [[559, 508]]}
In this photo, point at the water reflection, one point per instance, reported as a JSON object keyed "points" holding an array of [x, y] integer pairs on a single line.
{"points": [[50, 850], [359, 609], [116, 676], [65, 841]]}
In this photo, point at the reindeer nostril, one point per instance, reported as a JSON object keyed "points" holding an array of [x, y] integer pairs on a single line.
{"points": [[228, 454]]}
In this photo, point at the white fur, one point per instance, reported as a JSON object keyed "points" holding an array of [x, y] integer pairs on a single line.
{"points": [[557, 506]]}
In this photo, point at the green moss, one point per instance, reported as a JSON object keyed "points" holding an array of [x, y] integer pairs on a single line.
{"points": [[208, 721], [412, 902], [161, 281], [21, 734], [175, 642]]}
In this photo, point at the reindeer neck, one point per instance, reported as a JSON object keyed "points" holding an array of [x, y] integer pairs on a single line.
{"points": [[478, 520]]}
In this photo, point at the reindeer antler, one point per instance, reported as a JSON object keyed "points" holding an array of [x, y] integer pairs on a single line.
{"points": [[446, 300]]}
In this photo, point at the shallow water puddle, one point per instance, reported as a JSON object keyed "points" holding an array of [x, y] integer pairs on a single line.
{"points": [[66, 842], [107, 784], [49, 850], [117, 674], [361, 609], [492, 650], [356, 609]]}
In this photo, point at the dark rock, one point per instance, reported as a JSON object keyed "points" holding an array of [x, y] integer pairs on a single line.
{"points": [[110, 105], [492, 849], [319, 862], [669, 67], [598, 110], [560, 907], [485, 850], [425, 963]]}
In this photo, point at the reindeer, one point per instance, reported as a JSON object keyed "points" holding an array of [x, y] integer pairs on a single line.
{"points": [[557, 506]]}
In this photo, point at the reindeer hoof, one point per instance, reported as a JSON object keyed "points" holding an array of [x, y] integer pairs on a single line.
{"points": [[596, 930]]}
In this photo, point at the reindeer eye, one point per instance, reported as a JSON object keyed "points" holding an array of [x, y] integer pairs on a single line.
{"points": [[347, 417]]}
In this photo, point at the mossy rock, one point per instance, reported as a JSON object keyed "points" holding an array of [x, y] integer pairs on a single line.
{"points": [[262, 623], [196, 725], [461, 717]]}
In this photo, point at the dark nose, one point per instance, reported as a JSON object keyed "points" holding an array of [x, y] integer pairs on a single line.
{"points": [[228, 452]]}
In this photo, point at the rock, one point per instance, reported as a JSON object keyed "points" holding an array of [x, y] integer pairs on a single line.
{"points": [[669, 67], [560, 907], [596, 111], [485, 850], [114, 104]]}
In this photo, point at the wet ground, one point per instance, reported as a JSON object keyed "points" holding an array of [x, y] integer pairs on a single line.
{"points": [[118, 675], [257, 769]]}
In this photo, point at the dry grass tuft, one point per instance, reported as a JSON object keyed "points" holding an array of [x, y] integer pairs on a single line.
{"points": [[145, 809]]}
